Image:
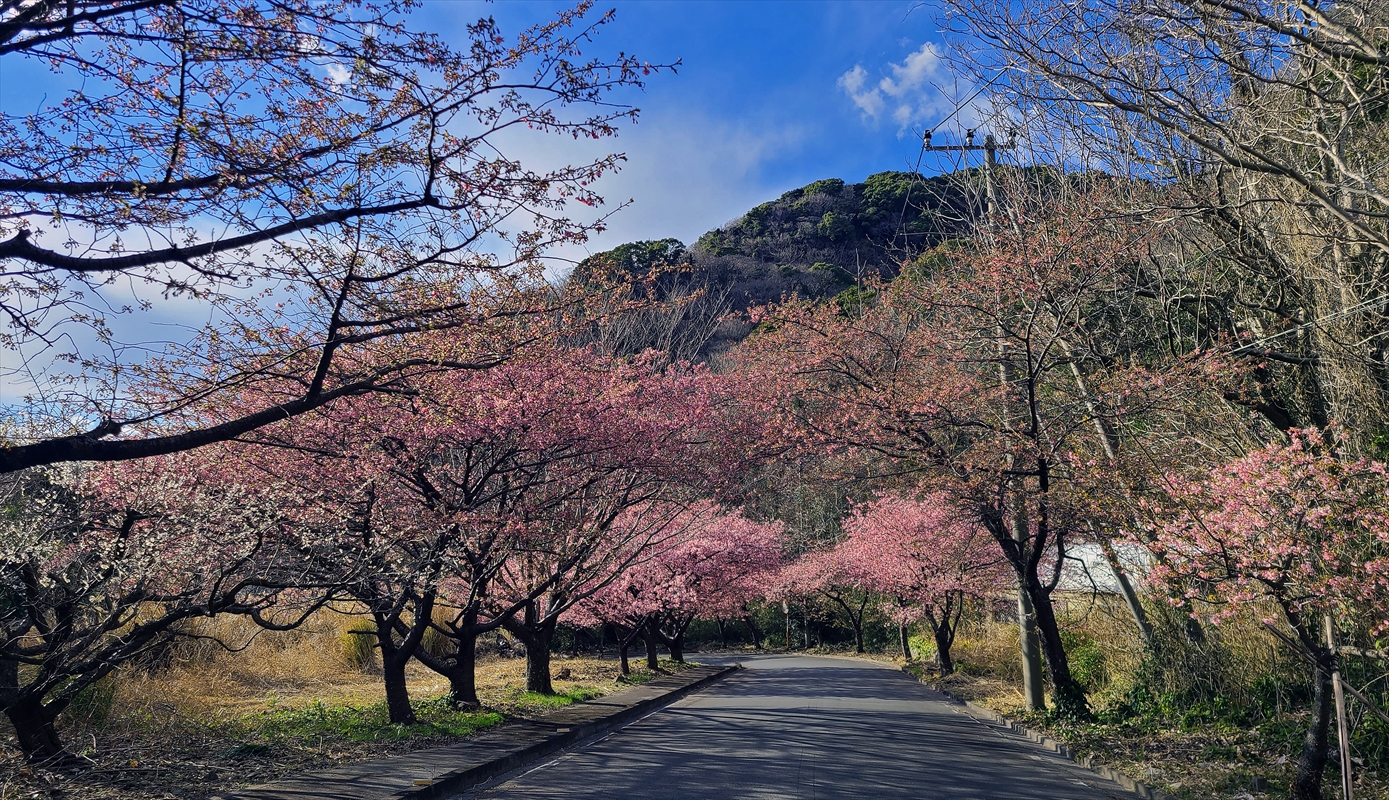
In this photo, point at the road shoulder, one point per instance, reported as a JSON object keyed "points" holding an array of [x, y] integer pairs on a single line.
{"points": [[444, 771]]}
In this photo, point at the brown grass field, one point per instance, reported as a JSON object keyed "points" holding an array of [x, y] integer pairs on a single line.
{"points": [[203, 719]]}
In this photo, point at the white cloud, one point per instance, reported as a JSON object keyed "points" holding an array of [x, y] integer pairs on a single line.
{"points": [[686, 173], [916, 73], [852, 82], [337, 73], [913, 90]]}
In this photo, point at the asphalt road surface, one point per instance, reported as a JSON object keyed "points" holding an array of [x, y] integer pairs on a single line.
{"points": [[794, 727]]}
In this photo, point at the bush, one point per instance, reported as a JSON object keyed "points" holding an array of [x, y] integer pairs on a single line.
{"points": [[835, 227], [1086, 659], [358, 648], [93, 704], [923, 647]]}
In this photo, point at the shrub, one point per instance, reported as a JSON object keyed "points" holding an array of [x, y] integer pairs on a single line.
{"points": [[358, 648], [1086, 659], [93, 704]]}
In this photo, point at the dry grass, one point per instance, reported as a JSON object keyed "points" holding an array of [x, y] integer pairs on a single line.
{"points": [[1208, 729], [200, 719]]}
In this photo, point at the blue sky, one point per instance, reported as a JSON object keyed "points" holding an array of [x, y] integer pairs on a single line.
{"points": [[769, 96]]}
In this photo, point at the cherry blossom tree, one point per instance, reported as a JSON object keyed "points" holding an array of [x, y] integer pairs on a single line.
{"points": [[711, 567], [1295, 526], [99, 566], [307, 178], [827, 574], [483, 499], [959, 372], [929, 557]]}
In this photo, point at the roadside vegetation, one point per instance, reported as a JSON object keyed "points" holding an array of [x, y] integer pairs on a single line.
{"points": [[205, 720]]}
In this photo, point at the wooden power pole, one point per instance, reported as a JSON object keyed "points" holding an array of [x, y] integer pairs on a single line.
{"points": [[1032, 680], [990, 147]]}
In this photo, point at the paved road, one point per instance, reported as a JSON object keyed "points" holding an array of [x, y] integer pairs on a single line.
{"points": [[799, 728]]}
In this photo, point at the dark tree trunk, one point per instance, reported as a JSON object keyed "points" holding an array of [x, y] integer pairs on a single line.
{"points": [[723, 634], [1068, 694], [906, 645], [460, 666], [943, 642], [397, 693], [38, 738], [944, 631], [756, 634], [537, 635], [674, 640], [624, 644], [396, 656], [857, 621], [463, 673], [538, 663], [648, 636], [1312, 762]]}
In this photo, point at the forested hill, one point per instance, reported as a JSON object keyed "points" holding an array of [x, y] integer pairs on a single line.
{"points": [[814, 241]]}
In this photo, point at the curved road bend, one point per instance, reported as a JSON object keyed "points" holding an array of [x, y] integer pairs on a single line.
{"points": [[799, 728]]}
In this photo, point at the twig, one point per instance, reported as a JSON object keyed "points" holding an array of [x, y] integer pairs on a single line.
{"points": [[1302, 651], [1382, 655]]}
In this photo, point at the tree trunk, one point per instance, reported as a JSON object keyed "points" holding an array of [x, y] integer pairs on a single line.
{"points": [[723, 634], [397, 693], [1121, 576], [538, 660], [624, 644], [394, 658], [756, 634], [906, 645], [943, 659], [944, 632], [38, 738], [1312, 762], [538, 635], [463, 673], [857, 622], [676, 644], [648, 636], [1068, 694]]}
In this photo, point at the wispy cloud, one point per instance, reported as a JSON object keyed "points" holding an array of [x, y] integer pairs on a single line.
{"points": [[870, 100], [687, 172], [913, 90]]}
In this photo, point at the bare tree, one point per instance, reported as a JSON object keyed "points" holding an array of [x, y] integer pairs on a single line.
{"points": [[301, 177], [1264, 122]]}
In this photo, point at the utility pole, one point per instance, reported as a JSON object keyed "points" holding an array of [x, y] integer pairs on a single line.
{"points": [[990, 148], [1342, 729], [1033, 686]]}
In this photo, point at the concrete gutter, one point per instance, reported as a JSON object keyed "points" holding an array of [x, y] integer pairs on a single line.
{"points": [[446, 771]]}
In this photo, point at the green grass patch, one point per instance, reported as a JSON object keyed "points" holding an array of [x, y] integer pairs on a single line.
{"points": [[437, 718], [666, 665], [578, 694]]}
